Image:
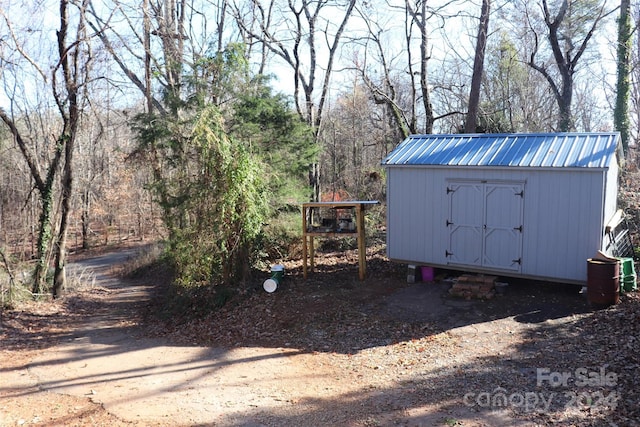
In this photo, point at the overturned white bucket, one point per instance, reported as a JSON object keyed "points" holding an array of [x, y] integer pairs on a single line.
{"points": [[270, 285], [277, 274]]}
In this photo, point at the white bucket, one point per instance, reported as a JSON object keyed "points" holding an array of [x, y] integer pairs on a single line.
{"points": [[270, 285]]}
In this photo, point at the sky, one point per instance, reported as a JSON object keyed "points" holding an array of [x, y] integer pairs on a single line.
{"points": [[454, 41]]}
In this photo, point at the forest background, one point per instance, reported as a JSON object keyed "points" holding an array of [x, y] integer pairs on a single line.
{"points": [[206, 123]]}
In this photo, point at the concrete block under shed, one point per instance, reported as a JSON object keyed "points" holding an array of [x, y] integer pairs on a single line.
{"points": [[411, 273]]}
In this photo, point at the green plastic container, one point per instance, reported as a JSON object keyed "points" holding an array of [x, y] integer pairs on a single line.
{"points": [[277, 273], [628, 278]]}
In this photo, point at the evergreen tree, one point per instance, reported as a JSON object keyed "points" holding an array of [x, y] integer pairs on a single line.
{"points": [[273, 131], [212, 194]]}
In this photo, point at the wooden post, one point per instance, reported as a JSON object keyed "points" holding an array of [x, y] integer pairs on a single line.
{"points": [[312, 253], [362, 247], [304, 241]]}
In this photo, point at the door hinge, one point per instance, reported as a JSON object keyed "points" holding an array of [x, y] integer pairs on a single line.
{"points": [[449, 223], [450, 190], [517, 261], [447, 253], [521, 193], [518, 228]]}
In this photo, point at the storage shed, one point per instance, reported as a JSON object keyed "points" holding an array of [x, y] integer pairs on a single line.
{"points": [[514, 205]]}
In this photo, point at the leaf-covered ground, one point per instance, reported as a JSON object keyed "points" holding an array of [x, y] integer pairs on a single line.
{"points": [[383, 365], [548, 326]]}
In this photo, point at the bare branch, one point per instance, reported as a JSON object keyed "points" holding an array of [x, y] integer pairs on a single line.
{"points": [[19, 48]]}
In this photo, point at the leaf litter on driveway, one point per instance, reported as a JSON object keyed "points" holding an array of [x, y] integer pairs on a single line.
{"points": [[348, 353]]}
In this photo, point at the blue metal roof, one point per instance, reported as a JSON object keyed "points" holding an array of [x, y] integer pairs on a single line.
{"points": [[542, 150]]}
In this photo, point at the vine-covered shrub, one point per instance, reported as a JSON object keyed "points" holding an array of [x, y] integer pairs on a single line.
{"points": [[212, 196]]}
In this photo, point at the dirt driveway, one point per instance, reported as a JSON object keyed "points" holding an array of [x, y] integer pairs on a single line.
{"points": [[327, 351]]}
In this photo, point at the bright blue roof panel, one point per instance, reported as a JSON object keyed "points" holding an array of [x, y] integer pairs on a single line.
{"points": [[543, 150]]}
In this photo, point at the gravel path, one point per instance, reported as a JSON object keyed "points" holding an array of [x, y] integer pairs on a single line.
{"points": [[327, 351]]}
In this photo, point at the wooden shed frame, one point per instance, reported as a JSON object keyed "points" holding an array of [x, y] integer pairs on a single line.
{"points": [[512, 205]]}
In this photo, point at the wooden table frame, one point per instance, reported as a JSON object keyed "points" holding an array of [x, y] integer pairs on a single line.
{"points": [[358, 233]]}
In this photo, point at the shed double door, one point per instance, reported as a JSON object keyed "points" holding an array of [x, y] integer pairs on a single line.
{"points": [[485, 224]]}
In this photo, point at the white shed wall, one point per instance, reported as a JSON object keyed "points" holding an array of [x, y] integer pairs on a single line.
{"points": [[611, 192], [564, 215]]}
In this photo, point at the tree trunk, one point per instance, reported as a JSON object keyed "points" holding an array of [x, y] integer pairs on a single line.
{"points": [[424, 75], [478, 68], [72, 68], [66, 81], [44, 239], [147, 55], [84, 219], [621, 114], [565, 119], [59, 278]]}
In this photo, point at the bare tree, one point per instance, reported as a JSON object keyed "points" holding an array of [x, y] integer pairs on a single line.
{"points": [[568, 31], [419, 15], [254, 16], [384, 89], [478, 67], [300, 22], [515, 97], [357, 135], [398, 73], [157, 56], [75, 64], [68, 75]]}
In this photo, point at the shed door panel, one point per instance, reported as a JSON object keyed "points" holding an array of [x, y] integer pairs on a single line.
{"points": [[466, 223], [503, 231], [485, 224]]}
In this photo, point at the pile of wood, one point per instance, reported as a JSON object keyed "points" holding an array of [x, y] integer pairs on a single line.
{"points": [[474, 287]]}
